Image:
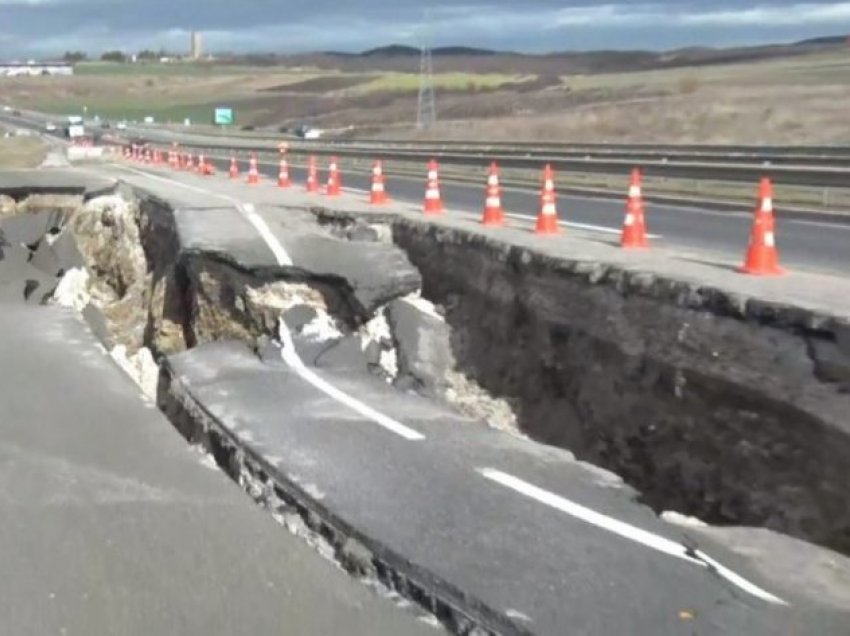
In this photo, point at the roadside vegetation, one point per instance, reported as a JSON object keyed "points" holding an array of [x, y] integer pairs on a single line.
{"points": [[784, 96], [21, 152]]}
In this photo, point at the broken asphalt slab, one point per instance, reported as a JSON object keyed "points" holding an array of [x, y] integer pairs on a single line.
{"points": [[112, 525], [375, 273], [426, 511], [20, 183]]}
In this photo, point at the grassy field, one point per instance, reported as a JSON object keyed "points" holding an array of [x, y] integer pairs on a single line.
{"points": [[800, 99], [408, 82], [21, 152]]}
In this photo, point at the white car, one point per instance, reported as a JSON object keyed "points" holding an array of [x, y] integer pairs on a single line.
{"points": [[50, 127], [121, 125]]}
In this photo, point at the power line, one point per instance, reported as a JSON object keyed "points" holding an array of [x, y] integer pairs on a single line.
{"points": [[426, 106]]}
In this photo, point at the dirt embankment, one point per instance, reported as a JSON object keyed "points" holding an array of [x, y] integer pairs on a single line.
{"points": [[733, 413]]}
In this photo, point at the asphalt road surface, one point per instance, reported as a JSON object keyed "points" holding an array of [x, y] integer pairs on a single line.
{"points": [[807, 244], [551, 545], [112, 524]]}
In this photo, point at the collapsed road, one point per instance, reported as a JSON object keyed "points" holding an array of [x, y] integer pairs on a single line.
{"points": [[111, 524], [300, 346]]}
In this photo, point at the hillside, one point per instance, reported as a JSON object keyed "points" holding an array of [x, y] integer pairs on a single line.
{"points": [[405, 59]]}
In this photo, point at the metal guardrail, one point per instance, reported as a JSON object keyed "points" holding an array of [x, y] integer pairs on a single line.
{"points": [[813, 155], [816, 176]]}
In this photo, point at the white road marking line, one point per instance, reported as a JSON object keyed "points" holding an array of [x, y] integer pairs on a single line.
{"points": [[625, 530], [265, 233], [288, 352], [826, 224], [291, 357]]}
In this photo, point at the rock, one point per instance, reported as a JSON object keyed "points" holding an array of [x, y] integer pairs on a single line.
{"points": [[8, 207], [423, 344], [832, 364], [376, 340], [298, 316], [72, 290], [357, 558], [267, 302], [362, 232]]}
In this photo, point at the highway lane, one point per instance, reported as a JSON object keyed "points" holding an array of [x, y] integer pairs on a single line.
{"points": [[814, 245], [451, 498]]}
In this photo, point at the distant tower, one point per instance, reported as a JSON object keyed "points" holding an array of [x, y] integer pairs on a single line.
{"points": [[426, 107], [196, 46]]}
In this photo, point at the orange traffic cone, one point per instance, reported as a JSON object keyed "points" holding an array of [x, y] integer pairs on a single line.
{"points": [[283, 180], [378, 195], [253, 172], [493, 213], [334, 187], [547, 219], [762, 256], [234, 168], [312, 176], [634, 224], [433, 200]]}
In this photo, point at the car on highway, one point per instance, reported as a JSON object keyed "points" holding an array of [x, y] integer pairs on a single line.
{"points": [[121, 125], [50, 127]]}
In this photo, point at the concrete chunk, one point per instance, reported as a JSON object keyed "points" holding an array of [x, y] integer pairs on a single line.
{"points": [[424, 346], [376, 273]]}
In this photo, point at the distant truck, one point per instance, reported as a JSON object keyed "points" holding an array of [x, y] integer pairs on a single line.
{"points": [[75, 128], [306, 132]]}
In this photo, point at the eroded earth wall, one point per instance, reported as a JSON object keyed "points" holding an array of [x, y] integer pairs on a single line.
{"points": [[731, 410]]}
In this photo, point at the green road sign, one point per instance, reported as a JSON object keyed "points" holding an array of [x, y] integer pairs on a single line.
{"points": [[223, 116]]}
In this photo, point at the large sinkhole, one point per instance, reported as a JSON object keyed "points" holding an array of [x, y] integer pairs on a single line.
{"points": [[733, 414]]}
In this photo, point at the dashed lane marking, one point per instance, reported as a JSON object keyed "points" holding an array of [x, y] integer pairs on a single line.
{"points": [[627, 531], [288, 353]]}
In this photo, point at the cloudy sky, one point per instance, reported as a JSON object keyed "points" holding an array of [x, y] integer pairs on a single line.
{"points": [[46, 27]]}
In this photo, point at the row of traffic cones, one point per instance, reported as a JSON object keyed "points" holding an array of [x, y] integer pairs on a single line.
{"points": [[761, 259]]}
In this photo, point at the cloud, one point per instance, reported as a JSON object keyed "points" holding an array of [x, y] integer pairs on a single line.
{"points": [[789, 15], [49, 27]]}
